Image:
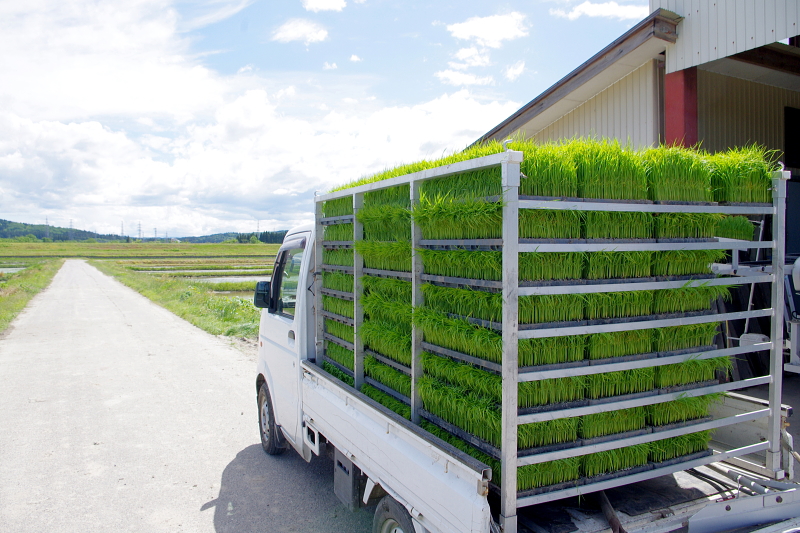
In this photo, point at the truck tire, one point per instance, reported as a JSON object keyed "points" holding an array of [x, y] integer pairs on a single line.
{"points": [[266, 422], [391, 517]]}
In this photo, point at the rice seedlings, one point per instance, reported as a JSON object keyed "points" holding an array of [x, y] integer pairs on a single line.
{"points": [[606, 170], [686, 225], [614, 460], [337, 281], [338, 306], [548, 170], [339, 256], [389, 288], [682, 337], [387, 401], [677, 174], [691, 371], [337, 329], [338, 232], [338, 208], [618, 304], [469, 185], [685, 262], [552, 350], [611, 422], [392, 255], [388, 376], [689, 298], [459, 335], [619, 383], [663, 450], [338, 374], [615, 225], [454, 441], [385, 222], [340, 354], [540, 266], [612, 265], [399, 196], [549, 224], [378, 307], [551, 308], [389, 339], [464, 302], [443, 217], [620, 343], [682, 409], [735, 227], [463, 263], [742, 175], [548, 473]]}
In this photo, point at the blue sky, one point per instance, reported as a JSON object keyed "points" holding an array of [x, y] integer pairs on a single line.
{"points": [[227, 115]]}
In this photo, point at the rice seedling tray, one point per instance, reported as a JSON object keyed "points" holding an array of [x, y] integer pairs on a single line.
{"points": [[682, 459], [336, 340], [387, 273], [463, 283], [482, 363], [687, 239], [338, 318], [542, 490], [469, 438], [552, 407], [613, 281], [330, 221], [337, 244], [622, 359], [552, 198], [477, 321], [677, 425], [337, 268], [523, 452], [687, 386], [614, 475], [553, 366], [339, 294], [697, 349], [602, 321], [683, 202], [388, 362], [623, 397], [388, 390]]}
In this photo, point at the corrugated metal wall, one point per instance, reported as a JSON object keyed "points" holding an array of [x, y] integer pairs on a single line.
{"points": [[736, 112], [627, 110], [713, 29]]}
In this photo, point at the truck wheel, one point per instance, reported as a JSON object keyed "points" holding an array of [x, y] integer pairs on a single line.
{"points": [[391, 517], [266, 422]]}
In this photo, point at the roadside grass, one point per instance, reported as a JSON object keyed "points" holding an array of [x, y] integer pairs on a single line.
{"points": [[17, 289], [172, 250]]}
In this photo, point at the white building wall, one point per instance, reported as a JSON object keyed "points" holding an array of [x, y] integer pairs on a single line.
{"points": [[713, 29], [627, 110]]}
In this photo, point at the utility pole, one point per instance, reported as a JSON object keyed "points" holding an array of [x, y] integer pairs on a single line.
{"points": [[140, 230], [70, 229], [122, 229], [46, 228], [155, 233]]}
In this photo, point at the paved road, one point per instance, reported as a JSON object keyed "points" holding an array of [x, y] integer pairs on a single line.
{"points": [[115, 415]]}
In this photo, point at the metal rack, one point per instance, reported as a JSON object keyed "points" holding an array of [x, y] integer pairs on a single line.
{"points": [[511, 245]]}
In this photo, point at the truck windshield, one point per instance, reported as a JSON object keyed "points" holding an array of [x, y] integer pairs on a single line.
{"points": [[289, 277]]}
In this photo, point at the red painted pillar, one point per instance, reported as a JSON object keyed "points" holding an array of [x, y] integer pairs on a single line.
{"points": [[680, 107]]}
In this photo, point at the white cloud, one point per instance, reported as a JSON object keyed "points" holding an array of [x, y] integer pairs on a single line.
{"points": [[221, 10], [604, 9], [349, 100], [512, 72], [355, 59], [245, 69], [329, 66], [324, 5], [470, 57], [454, 77], [300, 30], [490, 31]]}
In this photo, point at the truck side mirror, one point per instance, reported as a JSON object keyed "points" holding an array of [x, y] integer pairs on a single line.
{"points": [[261, 298]]}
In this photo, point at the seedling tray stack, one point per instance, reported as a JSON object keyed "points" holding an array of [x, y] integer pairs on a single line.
{"points": [[550, 310]]}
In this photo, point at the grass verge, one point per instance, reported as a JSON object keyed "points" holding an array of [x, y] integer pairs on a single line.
{"points": [[17, 289]]}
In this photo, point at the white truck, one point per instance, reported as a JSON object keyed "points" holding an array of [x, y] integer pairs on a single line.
{"points": [[422, 484]]}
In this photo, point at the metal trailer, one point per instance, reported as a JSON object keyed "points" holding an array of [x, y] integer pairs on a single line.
{"points": [[445, 490]]}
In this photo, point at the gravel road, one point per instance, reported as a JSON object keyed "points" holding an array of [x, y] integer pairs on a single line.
{"points": [[115, 415]]}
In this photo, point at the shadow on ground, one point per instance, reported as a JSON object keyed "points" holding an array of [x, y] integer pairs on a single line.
{"points": [[261, 493]]}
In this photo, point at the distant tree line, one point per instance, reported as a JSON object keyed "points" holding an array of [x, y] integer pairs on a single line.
{"points": [[34, 232]]}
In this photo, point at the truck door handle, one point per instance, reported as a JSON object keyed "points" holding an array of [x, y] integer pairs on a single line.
{"points": [[291, 334]]}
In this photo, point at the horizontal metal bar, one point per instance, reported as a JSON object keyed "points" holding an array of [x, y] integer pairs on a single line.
{"points": [[387, 273], [607, 365], [625, 285], [337, 244], [337, 268], [467, 282], [338, 365], [461, 242], [330, 221], [388, 361], [646, 246], [648, 437], [431, 173], [647, 208], [638, 402], [644, 324], [339, 294], [388, 390], [336, 340], [483, 363], [338, 318], [526, 501]]}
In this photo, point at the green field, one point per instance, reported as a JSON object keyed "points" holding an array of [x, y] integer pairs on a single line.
{"points": [[17, 289]]}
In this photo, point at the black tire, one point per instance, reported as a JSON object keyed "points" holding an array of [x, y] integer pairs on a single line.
{"points": [[391, 517], [266, 423]]}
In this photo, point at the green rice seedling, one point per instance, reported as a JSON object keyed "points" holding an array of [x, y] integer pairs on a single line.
{"points": [[549, 170], [735, 227], [551, 308], [385, 222], [381, 255], [389, 339], [389, 288], [614, 460], [388, 376], [612, 265], [463, 263], [460, 444], [742, 175], [677, 174], [688, 298], [469, 185], [399, 196], [691, 371], [340, 354], [686, 225], [663, 450], [337, 329], [681, 337], [540, 266], [459, 335], [619, 383], [378, 307], [338, 232], [338, 306], [611, 422], [619, 343], [606, 170], [338, 374], [552, 350], [685, 262], [340, 256], [547, 433], [387, 401], [444, 217], [682, 409], [614, 225], [550, 224], [548, 473], [618, 304], [464, 302], [338, 208], [337, 281]]}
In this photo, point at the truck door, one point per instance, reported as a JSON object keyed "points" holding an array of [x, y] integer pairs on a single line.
{"points": [[279, 331]]}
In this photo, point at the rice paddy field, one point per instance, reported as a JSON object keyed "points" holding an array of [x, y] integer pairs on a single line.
{"points": [[460, 319]]}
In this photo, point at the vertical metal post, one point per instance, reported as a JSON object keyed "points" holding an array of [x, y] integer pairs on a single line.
{"points": [[358, 293], [319, 342], [776, 354], [417, 300], [510, 183]]}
